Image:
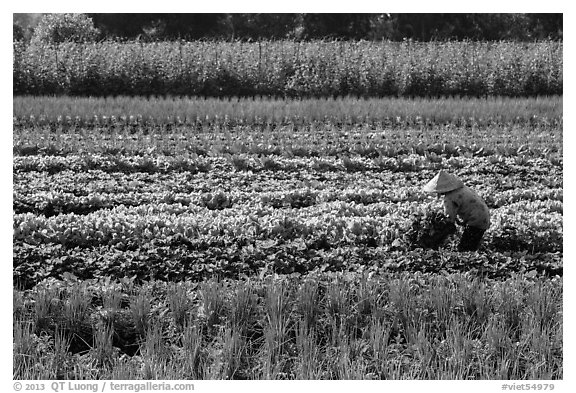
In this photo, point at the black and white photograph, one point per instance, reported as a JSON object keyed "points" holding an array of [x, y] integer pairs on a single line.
{"points": [[287, 196]]}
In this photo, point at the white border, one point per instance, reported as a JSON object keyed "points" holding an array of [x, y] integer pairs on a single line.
{"points": [[301, 6]]}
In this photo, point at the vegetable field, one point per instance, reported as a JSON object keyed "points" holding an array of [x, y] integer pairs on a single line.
{"points": [[259, 238]]}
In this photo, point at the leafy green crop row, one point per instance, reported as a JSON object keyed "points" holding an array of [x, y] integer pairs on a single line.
{"points": [[253, 163], [175, 258], [335, 222], [286, 68], [436, 144], [55, 202]]}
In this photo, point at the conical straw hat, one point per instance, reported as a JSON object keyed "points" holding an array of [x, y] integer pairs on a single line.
{"points": [[443, 182]]}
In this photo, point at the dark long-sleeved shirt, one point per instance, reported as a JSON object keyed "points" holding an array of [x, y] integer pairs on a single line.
{"points": [[467, 205]]}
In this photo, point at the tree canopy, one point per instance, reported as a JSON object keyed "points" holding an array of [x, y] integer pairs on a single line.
{"points": [[395, 27]]}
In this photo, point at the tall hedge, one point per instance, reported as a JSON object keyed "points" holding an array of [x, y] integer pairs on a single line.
{"points": [[289, 68]]}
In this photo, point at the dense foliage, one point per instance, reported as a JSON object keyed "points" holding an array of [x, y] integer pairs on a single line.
{"points": [[396, 27], [60, 28], [290, 68], [430, 230]]}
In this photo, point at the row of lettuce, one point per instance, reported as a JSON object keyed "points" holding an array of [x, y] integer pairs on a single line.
{"points": [[255, 163], [51, 203], [385, 143], [535, 226], [484, 175], [104, 190], [176, 258]]}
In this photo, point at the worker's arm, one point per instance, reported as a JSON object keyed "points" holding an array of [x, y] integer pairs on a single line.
{"points": [[450, 209]]}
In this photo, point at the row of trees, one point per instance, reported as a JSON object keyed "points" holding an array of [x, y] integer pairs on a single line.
{"points": [[395, 27]]}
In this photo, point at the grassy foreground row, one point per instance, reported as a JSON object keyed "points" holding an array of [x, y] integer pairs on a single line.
{"points": [[287, 68], [319, 326]]}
